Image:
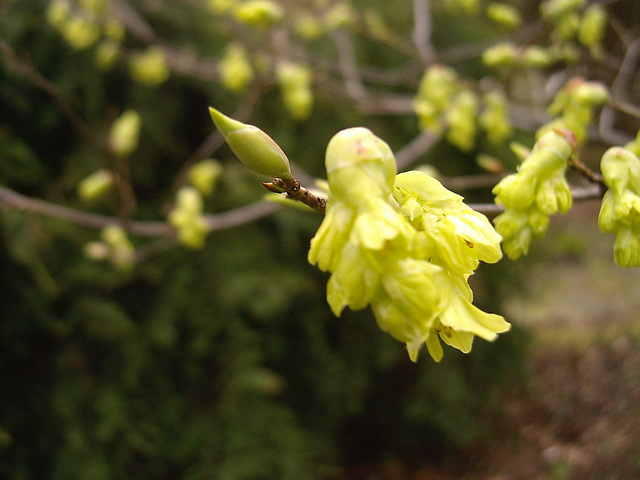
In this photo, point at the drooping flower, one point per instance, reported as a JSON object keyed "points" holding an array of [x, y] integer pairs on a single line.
{"points": [[537, 190], [404, 245], [620, 210]]}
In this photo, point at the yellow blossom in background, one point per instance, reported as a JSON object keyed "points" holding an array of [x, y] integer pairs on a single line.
{"points": [[236, 71], [620, 210], [295, 85], [150, 67], [125, 133]]}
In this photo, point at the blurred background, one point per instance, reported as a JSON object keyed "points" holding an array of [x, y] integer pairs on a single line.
{"points": [[219, 358]]}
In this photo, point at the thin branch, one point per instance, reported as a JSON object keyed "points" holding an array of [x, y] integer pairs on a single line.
{"points": [[621, 85], [422, 28], [417, 147], [576, 164], [35, 77], [348, 65], [294, 190], [10, 199]]}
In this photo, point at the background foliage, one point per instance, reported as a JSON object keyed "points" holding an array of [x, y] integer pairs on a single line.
{"points": [[223, 362]]}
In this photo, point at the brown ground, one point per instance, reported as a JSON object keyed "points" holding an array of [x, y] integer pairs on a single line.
{"points": [[579, 419]]}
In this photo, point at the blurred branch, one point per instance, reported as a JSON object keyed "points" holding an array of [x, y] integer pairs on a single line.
{"points": [[10, 199], [422, 27], [25, 67], [348, 65], [622, 84], [417, 147]]}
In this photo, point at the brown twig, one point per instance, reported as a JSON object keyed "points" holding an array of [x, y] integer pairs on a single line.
{"points": [[576, 164], [294, 190], [31, 72], [220, 221]]}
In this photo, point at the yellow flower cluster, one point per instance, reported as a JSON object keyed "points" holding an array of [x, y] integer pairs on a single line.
{"points": [[187, 218], [403, 245], [620, 210], [443, 104], [295, 86], [537, 190], [88, 23], [574, 106]]}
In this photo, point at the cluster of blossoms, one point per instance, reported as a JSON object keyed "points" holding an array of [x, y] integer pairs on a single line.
{"points": [[402, 244], [572, 26], [537, 190], [124, 134], [620, 210], [86, 24], [188, 219], [114, 247], [573, 107], [444, 103], [236, 70], [572, 22], [295, 85]]}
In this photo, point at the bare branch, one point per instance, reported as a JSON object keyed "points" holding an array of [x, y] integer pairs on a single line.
{"points": [[31, 72], [422, 27], [348, 65], [10, 199]]}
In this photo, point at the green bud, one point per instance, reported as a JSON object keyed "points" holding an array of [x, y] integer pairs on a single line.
{"points": [[620, 170], [235, 69], [504, 14], [359, 165], [258, 13], [203, 175], [513, 226], [58, 13], [187, 218], [519, 150], [121, 253], [338, 16], [554, 9], [590, 93], [308, 26], [125, 133], [295, 84], [107, 52], [501, 55], [80, 32], [437, 86], [150, 67], [461, 119], [252, 146], [567, 26], [592, 28], [536, 57], [626, 250], [114, 31], [95, 185], [495, 118]]}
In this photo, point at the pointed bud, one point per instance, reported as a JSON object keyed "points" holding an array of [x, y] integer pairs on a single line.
{"points": [[125, 133], [257, 150], [359, 165], [504, 14], [203, 175], [258, 13], [95, 185]]}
